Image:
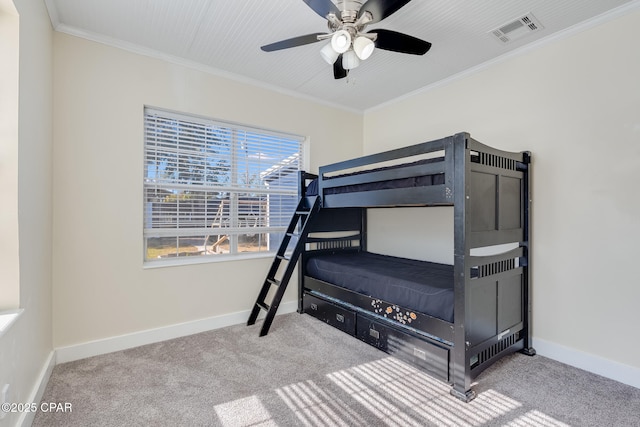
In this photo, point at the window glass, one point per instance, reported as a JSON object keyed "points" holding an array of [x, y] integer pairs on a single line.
{"points": [[215, 189]]}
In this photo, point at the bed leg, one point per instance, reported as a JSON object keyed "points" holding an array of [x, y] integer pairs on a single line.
{"points": [[529, 351], [466, 396]]}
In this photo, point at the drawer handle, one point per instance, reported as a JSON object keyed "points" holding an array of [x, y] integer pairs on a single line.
{"points": [[314, 307], [340, 318], [375, 334], [420, 354]]}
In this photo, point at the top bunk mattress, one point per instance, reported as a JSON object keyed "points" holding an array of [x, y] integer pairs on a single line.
{"points": [[421, 286], [416, 181]]}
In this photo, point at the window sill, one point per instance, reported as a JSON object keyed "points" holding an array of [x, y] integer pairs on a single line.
{"points": [[7, 318], [204, 260]]}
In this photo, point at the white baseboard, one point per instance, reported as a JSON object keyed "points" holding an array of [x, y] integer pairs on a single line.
{"points": [[620, 372], [26, 419], [150, 336], [625, 374]]}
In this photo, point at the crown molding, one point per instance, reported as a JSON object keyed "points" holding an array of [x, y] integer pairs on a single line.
{"points": [[53, 13], [155, 54]]}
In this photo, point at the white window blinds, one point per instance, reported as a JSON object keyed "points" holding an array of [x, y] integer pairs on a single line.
{"points": [[213, 188]]}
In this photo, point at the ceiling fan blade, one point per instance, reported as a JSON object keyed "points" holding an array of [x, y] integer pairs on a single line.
{"points": [[380, 9], [398, 42], [323, 7], [292, 42], [338, 70]]}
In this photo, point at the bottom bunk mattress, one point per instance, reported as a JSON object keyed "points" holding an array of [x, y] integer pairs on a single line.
{"points": [[421, 286]]}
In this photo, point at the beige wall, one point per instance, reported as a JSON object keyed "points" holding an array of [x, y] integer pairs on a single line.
{"points": [[575, 103], [100, 287], [26, 347]]}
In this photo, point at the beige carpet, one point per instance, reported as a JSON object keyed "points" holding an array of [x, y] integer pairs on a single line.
{"points": [[305, 373]]}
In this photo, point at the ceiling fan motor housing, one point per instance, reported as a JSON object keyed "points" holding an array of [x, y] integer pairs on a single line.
{"points": [[349, 16], [349, 5]]}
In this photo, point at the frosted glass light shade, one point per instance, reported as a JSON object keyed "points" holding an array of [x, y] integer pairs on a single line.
{"points": [[350, 60], [363, 47], [328, 54], [341, 41]]}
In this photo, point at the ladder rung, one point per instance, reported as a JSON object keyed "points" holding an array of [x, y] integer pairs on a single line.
{"points": [[284, 257], [263, 305], [302, 212], [275, 282], [293, 234]]}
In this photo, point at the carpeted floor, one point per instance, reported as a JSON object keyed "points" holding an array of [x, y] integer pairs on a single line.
{"points": [[305, 373]]}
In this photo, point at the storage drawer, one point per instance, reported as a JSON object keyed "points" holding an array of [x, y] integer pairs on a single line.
{"points": [[431, 357], [336, 316]]}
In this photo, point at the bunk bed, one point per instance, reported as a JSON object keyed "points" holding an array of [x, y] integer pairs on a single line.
{"points": [[453, 321]]}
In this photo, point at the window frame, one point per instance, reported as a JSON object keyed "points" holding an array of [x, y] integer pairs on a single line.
{"points": [[232, 189]]}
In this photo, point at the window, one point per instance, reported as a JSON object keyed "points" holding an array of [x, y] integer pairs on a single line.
{"points": [[9, 148], [215, 190]]}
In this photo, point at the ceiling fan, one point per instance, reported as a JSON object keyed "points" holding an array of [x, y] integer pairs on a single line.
{"points": [[349, 44]]}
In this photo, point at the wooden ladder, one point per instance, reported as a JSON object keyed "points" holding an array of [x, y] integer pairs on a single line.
{"points": [[305, 210]]}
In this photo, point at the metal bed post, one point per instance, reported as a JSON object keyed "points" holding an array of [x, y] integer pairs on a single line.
{"points": [[528, 346], [302, 189], [303, 176], [461, 372]]}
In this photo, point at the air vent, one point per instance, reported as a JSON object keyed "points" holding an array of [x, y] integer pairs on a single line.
{"points": [[517, 28]]}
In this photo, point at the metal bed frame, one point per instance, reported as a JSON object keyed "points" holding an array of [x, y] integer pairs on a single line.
{"points": [[489, 190]]}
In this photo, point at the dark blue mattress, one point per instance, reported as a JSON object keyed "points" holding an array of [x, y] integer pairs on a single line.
{"points": [[416, 181], [421, 286]]}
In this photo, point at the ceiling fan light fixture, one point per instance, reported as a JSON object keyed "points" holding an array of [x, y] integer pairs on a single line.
{"points": [[350, 60], [363, 47], [329, 54], [341, 41]]}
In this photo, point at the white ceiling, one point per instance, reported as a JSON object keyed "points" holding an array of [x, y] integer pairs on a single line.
{"points": [[224, 37]]}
